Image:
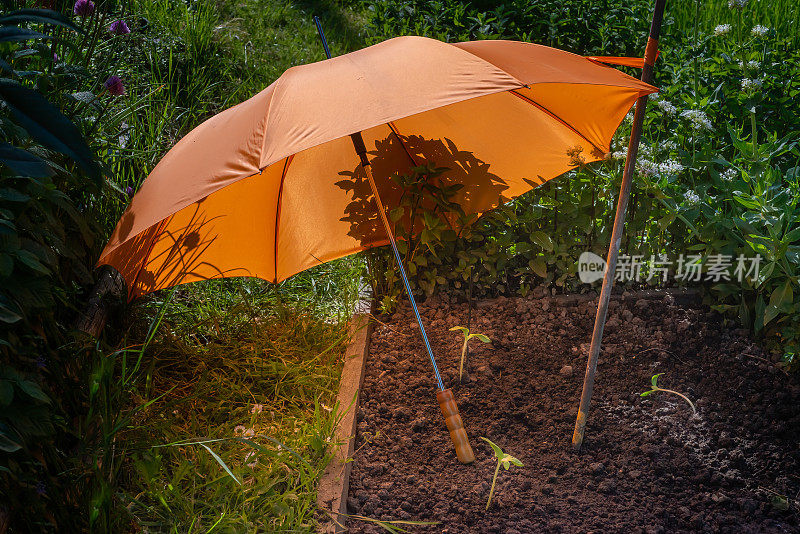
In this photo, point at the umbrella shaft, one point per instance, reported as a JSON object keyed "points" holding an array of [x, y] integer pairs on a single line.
{"points": [[382, 212]]}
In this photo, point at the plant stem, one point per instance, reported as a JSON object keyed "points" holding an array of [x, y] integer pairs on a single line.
{"points": [[494, 480], [463, 355], [684, 397]]}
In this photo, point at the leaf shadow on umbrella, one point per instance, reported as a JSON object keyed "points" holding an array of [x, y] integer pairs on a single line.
{"points": [[176, 253], [482, 189]]}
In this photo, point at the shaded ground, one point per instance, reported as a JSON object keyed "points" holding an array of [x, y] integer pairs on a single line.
{"points": [[647, 465]]}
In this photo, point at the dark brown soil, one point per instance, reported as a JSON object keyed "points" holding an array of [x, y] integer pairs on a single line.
{"points": [[647, 464]]}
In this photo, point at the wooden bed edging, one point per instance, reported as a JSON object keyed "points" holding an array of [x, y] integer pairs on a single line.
{"points": [[335, 481]]}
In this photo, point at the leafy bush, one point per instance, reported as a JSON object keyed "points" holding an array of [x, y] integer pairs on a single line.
{"points": [[48, 178]]}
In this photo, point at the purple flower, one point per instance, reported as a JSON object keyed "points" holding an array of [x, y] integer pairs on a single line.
{"points": [[119, 27], [114, 85], [83, 8], [129, 191], [41, 489], [41, 362], [55, 58]]}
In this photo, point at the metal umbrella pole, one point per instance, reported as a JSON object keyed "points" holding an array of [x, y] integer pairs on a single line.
{"points": [[616, 234], [445, 397]]}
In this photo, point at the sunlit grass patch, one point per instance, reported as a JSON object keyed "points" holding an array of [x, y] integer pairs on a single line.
{"points": [[241, 378]]}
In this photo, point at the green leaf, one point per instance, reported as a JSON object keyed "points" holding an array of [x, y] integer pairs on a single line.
{"points": [[498, 452], [23, 162], [41, 16], [396, 214], [543, 240], [12, 195], [8, 445], [463, 330], [654, 380], [539, 266], [29, 258], [12, 33], [780, 297], [647, 393], [8, 316], [32, 390], [6, 392], [221, 462], [47, 125], [481, 337]]}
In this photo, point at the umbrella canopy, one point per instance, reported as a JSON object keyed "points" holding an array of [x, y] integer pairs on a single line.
{"points": [[272, 186]]}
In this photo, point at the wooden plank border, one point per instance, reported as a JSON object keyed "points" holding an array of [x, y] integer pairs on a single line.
{"points": [[335, 481]]}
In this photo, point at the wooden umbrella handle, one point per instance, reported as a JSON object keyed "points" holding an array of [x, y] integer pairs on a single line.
{"points": [[456, 427]]}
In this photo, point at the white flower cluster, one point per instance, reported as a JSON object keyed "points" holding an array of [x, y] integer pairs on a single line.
{"points": [[753, 64], [670, 168], [760, 30], [691, 197], [698, 119], [728, 175], [751, 83], [722, 29], [737, 4], [619, 154], [670, 145], [647, 168], [667, 107]]}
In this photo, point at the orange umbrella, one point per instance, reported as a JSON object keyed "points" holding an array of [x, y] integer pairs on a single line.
{"points": [[272, 187], [256, 190]]}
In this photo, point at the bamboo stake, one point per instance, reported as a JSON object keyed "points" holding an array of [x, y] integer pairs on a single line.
{"points": [[616, 233]]}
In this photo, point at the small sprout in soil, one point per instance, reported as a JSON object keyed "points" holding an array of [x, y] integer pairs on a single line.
{"points": [[502, 459], [467, 336], [655, 388]]}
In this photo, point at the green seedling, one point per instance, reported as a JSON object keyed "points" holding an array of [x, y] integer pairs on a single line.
{"points": [[467, 336], [655, 388], [502, 459]]}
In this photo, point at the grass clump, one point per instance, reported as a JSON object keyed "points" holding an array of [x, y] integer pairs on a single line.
{"points": [[233, 415]]}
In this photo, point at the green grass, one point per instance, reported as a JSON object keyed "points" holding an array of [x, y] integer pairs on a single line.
{"points": [[783, 16], [250, 370]]}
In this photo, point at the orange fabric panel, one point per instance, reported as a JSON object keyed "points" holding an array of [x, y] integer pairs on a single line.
{"points": [[636, 62], [594, 110], [229, 233], [220, 151], [532, 64], [327, 192]]}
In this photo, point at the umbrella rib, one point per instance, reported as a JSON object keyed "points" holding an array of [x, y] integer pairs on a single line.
{"points": [[286, 164], [556, 117], [392, 127]]}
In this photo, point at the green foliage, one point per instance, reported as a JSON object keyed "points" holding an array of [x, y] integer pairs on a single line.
{"points": [[48, 176], [581, 26], [503, 459], [248, 370]]}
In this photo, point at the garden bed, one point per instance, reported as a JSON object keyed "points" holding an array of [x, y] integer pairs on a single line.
{"points": [[647, 464]]}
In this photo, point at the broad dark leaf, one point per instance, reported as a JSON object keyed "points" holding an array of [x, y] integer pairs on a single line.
{"points": [[23, 162], [12, 33], [45, 123], [43, 16]]}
